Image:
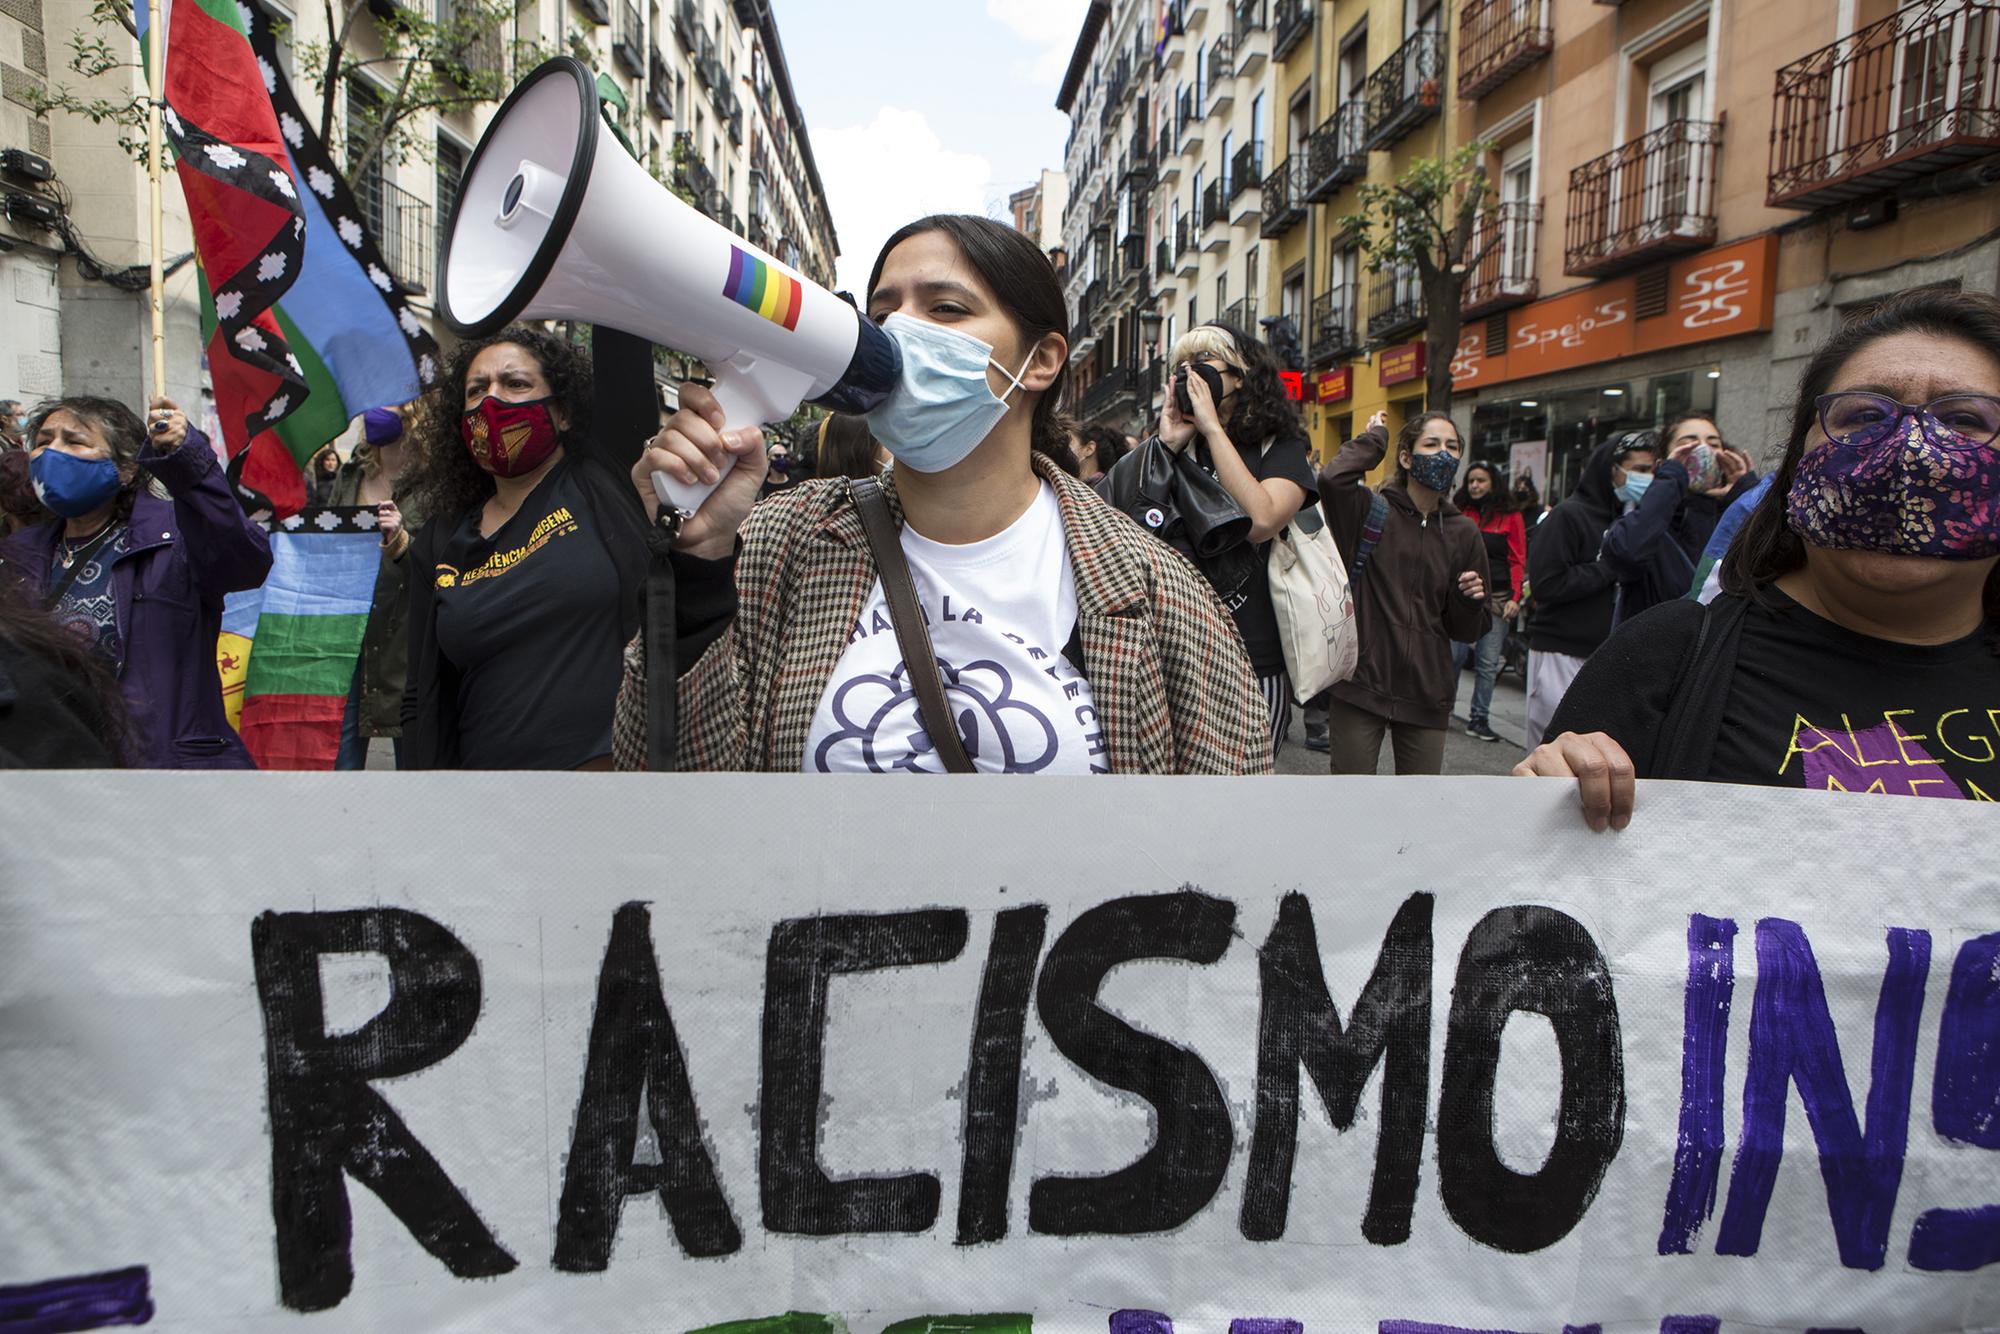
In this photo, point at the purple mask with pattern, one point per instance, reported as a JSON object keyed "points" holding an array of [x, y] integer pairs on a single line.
{"points": [[1917, 493]]}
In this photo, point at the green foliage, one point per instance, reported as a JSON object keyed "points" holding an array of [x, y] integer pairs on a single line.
{"points": [[93, 53], [1425, 220]]}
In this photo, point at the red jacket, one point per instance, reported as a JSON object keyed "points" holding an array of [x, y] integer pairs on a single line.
{"points": [[1510, 527]]}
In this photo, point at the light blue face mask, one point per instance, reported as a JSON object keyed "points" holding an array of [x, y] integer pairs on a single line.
{"points": [[1635, 486], [943, 407]]}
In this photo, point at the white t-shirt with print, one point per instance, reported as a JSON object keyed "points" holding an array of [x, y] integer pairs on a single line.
{"points": [[1000, 613]]}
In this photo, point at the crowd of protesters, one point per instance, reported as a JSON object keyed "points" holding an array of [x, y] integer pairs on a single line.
{"points": [[1098, 603]]}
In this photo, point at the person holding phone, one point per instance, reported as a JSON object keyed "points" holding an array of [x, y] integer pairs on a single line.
{"points": [[1419, 584], [1067, 640], [1856, 644], [1229, 407]]}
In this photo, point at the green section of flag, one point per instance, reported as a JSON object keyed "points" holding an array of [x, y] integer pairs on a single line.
{"points": [[222, 11], [304, 655]]}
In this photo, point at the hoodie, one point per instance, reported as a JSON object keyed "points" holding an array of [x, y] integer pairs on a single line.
{"points": [[1574, 592], [1406, 603]]}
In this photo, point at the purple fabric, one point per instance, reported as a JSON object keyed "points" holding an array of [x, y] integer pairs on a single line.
{"points": [[1910, 495], [180, 557], [382, 426]]}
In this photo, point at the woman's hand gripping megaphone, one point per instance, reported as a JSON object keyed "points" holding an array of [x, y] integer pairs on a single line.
{"points": [[697, 448]]}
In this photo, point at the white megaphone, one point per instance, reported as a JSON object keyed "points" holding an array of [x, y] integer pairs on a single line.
{"points": [[555, 221]]}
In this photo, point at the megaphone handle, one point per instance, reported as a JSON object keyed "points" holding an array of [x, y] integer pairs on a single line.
{"points": [[737, 394]]}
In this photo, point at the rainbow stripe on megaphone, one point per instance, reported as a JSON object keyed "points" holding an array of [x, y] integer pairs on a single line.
{"points": [[760, 287]]}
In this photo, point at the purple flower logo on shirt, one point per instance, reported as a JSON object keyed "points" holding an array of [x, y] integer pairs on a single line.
{"points": [[878, 715]]}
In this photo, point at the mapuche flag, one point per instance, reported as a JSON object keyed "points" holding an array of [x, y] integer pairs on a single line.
{"points": [[249, 227], [287, 649]]}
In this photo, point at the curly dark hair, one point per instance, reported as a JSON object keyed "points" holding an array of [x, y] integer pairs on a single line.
{"points": [[122, 431], [1263, 412], [1498, 499], [441, 481], [1767, 547]]}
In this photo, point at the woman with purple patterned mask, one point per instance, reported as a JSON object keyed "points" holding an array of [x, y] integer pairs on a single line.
{"points": [[1856, 646]]}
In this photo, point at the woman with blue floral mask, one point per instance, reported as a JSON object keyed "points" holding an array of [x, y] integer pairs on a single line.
{"points": [[1420, 585], [1856, 645], [141, 540], [1068, 641]]}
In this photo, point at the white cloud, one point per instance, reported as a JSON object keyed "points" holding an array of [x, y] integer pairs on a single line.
{"points": [[1050, 26], [888, 172]]}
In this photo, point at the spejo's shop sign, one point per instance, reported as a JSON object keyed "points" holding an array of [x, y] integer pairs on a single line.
{"points": [[1717, 293]]}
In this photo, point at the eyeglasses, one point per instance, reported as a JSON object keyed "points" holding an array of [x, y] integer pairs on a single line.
{"points": [[1865, 420]]}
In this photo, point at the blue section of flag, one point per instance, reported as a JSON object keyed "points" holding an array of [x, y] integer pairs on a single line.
{"points": [[240, 611], [345, 317], [320, 574]]}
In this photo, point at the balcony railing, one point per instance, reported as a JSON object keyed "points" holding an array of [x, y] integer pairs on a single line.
{"points": [[1093, 300], [1497, 39], [1291, 20], [1284, 196], [1337, 152], [1396, 304], [659, 85], [1900, 98], [1251, 36], [691, 173], [1086, 314], [1331, 333], [704, 57], [1243, 315], [1406, 89], [1128, 260], [1185, 116], [407, 245], [1221, 93], [629, 47], [1214, 206], [1107, 393], [1185, 236], [1163, 258], [1246, 169], [1653, 196], [1505, 241], [1138, 161], [687, 27]]}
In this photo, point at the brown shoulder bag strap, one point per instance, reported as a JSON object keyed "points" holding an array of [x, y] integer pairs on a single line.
{"points": [[912, 635]]}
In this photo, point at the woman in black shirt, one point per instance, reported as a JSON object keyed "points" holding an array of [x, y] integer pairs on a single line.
{"points": [[525, 583], [1856, 646], [1250, 441]]}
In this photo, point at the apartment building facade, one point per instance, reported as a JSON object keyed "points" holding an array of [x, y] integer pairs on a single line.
{"points": [[1037, 211], [709, 107]]}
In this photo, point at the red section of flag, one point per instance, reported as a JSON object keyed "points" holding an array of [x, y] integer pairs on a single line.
{"points": [[293, 731], [268, 467]]}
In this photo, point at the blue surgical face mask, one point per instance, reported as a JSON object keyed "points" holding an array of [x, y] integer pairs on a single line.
{"points": [[943, 407], [70, 486], [1436, 471], [1635, 486]]}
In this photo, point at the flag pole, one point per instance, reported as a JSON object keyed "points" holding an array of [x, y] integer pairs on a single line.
{"points": [[156, 83]]}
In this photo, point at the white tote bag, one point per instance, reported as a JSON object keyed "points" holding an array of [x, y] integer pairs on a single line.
{"points": [[1315, 606]]}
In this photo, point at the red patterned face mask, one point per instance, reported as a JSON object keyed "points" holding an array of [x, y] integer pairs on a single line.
{"points": [[508, 439]]}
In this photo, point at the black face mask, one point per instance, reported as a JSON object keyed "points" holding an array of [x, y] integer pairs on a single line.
{"points": [[1209, 374]]}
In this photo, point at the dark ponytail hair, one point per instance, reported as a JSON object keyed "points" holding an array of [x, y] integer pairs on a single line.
{"points": [[1025, 284], [1767, 547]]}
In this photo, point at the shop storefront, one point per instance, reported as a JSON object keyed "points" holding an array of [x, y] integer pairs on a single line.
{"points": [[1626, 354], [1339, 403]]}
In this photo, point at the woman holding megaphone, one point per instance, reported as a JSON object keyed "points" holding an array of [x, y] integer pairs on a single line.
{"points": [[1065, 639]]}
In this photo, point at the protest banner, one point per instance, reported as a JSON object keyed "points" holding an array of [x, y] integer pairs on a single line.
{"points": [[619, 1053]]}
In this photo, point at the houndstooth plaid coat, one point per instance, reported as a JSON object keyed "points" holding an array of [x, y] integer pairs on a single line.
{"points": [[1172, 685]]}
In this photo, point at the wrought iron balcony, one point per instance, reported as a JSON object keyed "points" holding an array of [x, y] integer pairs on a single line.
{"points": [[1406, 89], [1397, 304], [1331, 327], [704, 57], [691, 173], [1251, 36], [1128, 261], [1291, 20], [1651, 197], [1284, 197], [687, 27], [1115, 389], [1505, 241], [628, 48], [1187, 121], [1221, 92], [1246, 169], [1163, 259], [1086, 314], [407, 244], [1187, 250], [1243, 314], [659, 85], [1214, 205], [1497, 39], [1093, 301], [1138, 162], [1900, 98], [1337, 152]]}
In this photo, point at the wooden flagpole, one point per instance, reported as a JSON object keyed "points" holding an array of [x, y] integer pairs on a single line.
{"points": [[156, 46]]}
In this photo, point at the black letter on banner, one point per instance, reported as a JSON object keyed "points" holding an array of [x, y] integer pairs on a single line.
{"points": [[1539, 960], [1300, 1023], [324, 1117], [805, 954], [634, 1051], [1174, 1179], [993, 1079]]}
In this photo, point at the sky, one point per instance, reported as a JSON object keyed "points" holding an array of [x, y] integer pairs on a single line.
{"points": [[926, 106]]}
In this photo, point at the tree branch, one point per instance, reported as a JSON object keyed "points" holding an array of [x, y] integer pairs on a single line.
{"points": [[393, 113]]}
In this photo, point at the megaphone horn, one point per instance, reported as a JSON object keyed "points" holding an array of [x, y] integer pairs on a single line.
{"points": [[556, 221]]}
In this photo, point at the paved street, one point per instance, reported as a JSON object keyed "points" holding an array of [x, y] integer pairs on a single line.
{"points": [[1462, 755]]}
